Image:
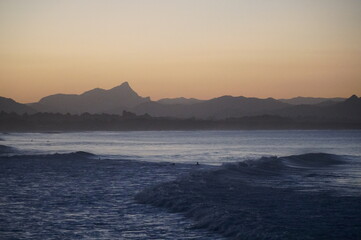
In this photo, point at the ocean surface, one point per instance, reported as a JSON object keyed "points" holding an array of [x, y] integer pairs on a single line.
{"points": [[181, 185]]}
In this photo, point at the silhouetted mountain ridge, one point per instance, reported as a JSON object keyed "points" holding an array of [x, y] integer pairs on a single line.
{"points": [[350, 109], [9, 105], [94, 101], [216, 108], [180, 100], [124, 98], [310, 100]]}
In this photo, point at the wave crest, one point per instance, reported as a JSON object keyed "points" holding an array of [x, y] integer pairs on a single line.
{"points": [[61, 156], [6, 149], [275, 164], [249, 200]]}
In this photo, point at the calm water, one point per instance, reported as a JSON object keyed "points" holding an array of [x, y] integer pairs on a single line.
{"points": [[146, 185]]}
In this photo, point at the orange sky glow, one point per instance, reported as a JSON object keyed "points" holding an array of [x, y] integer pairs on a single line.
{"points": [[201, 49]]}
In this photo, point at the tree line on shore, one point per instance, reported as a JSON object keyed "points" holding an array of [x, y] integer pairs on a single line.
{"points": [[129, 121]]}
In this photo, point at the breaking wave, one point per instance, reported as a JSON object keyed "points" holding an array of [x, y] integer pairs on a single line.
{"points": [[294, 197], [10, 152], [6, 150]]}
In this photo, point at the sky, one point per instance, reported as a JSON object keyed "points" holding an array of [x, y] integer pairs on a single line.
{"points": [[174, 48]]}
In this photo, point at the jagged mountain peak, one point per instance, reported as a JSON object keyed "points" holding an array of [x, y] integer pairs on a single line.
{"points": [[353, 97], [353, 100], [123, 89], [97, 100], [124, 85]]}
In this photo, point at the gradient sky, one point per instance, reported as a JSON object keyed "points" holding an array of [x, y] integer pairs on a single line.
{"points": [[173, 48]]}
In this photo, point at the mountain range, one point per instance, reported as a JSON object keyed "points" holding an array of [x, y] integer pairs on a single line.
{"points": [[124, 98]]}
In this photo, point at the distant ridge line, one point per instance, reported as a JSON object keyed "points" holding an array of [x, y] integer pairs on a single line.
{"points": [[123, 98]]}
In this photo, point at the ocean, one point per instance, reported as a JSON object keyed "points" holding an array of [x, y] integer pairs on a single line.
{"points": [[181, 185]]}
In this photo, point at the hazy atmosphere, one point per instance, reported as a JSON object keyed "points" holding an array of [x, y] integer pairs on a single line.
{"points": [[180, 119], [201, 49]]}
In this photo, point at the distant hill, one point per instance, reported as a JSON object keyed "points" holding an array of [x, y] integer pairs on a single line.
{"points": [[9, 105], [217, 108], [350, 109], [180, 100], [311, 100], [97, 100]]}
